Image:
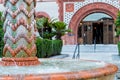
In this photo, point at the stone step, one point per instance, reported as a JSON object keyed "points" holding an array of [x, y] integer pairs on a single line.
{"points": [[91, 48]]}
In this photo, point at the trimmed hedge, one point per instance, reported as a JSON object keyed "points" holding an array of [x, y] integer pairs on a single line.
{"points": [[47, 48], [1, 47], [119, 48]]}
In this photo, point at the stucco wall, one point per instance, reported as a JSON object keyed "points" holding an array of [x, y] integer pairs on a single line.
{"points": [[2, 8], [51, 8]]}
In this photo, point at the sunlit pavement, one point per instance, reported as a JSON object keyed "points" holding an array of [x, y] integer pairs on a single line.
{"points": [[107, 53]]}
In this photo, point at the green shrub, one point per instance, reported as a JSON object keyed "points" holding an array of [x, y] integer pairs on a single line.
{"points": [[44, 26], [119, 47], [117, 29], [1, 47], [117, 21], [47, 48], [57, 47], [60, 29], [1, 34]]}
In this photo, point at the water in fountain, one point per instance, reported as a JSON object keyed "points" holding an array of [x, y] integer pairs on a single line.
{"points": [[48, 66], [14, 63]]}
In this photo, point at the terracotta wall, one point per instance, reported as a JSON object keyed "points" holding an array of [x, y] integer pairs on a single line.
{"points": [[1, 1]]}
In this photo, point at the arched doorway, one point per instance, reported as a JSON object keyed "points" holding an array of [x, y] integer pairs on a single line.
{"points": [[88, 9], [97, 28]]}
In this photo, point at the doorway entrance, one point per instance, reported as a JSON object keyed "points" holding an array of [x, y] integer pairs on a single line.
{"points": [[97, 33], [97, 28]]}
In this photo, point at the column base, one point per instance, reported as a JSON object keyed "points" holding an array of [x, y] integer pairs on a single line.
{"points": [[20, 61]]}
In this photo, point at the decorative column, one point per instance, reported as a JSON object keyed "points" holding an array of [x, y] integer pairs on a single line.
{"points": [[19, 37]]}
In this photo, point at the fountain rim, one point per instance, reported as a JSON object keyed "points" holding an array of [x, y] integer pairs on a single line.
{"points": [[108, 69], [26, 61]]}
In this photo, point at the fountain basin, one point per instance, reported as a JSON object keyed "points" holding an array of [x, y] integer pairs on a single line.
{"points": [[19, 61], [57, 69]]}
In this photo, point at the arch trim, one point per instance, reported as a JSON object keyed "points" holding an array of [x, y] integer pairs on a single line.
{"points": [[44, 14], [88, 9]]}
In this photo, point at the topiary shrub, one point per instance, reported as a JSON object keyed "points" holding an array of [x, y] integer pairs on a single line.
{"points": [[1, 34], [118, 47], [47, 48]]}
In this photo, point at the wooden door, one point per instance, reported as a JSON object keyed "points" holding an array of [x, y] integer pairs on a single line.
{"points": [[108, 32], [87, 32]]}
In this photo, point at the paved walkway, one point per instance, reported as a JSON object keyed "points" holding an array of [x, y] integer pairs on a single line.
{"points": [[107, 53]]}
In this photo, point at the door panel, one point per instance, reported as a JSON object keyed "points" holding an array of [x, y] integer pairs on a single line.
{"points": [[108, 31], [104, 32]]}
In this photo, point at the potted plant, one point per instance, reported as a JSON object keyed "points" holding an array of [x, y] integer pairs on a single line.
{"points": [[117, 23], [60, 29], [44, 26]]}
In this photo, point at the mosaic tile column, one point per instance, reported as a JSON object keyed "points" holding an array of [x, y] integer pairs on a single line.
{"points": [[19, 34]]}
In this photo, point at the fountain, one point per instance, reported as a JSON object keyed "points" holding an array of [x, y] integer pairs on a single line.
{"points": [[19, 61], [19, 34]]}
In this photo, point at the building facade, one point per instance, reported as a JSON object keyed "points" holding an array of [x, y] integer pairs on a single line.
{"points": [[74, 12]]}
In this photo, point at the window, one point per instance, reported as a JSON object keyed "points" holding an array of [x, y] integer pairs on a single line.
{"points": [[110, 28]]}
